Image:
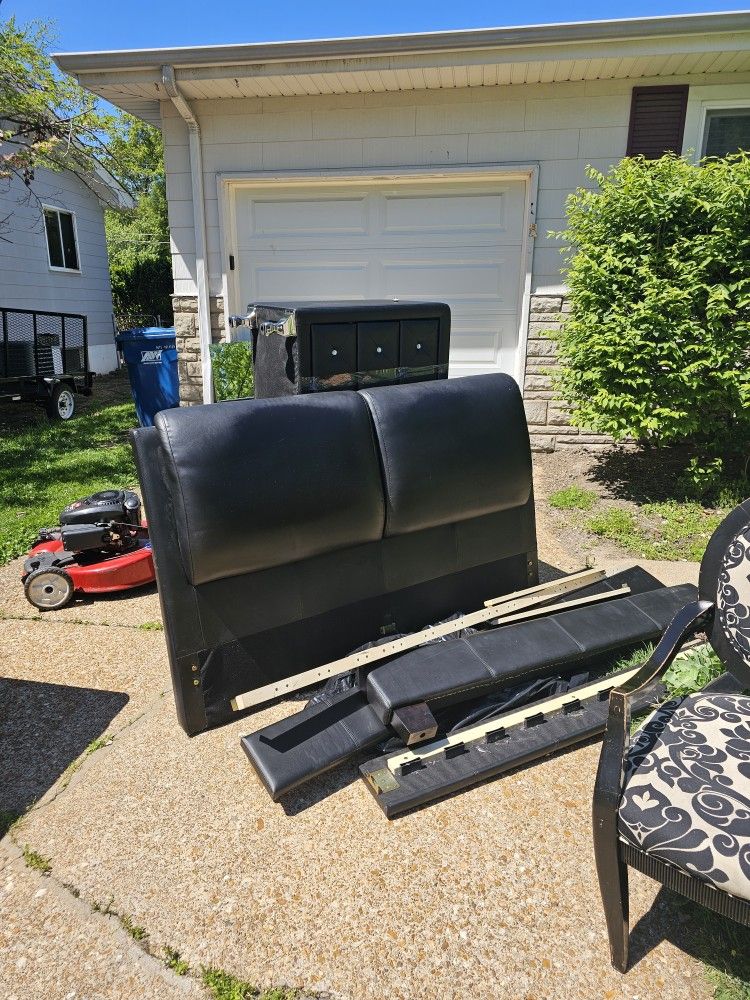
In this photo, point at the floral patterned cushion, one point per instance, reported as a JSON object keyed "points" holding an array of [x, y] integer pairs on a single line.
{"points": [[686, 798]]}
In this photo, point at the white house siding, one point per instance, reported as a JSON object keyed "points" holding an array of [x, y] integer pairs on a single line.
{"points": [[562, 127], [26, 280]]}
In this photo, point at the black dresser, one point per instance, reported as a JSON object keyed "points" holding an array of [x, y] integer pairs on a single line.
{"points": [[301, 347]]}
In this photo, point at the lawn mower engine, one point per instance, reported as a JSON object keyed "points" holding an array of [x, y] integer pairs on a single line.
{"points": [[101, 546]]}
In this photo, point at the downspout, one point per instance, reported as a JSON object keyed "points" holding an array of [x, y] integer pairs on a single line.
{"points": [[199, 224]]}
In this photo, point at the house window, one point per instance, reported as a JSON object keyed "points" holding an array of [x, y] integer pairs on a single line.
{"points": [[727, 131], [62, 246]]}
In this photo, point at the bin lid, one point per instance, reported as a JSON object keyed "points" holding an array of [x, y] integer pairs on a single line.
{"points": [[145, 333]]}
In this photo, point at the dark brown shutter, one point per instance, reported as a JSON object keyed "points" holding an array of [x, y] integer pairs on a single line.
{"points": [[657, 121]]}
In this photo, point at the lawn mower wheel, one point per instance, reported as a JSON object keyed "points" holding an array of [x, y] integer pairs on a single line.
{"points": [[48, 589]]}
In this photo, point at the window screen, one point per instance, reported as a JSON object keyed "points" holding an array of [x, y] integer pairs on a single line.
{"points": [[727, 131], [61, 239]]}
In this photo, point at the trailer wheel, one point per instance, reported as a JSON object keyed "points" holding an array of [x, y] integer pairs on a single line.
{"points": [[48, 589], [61, 405]]}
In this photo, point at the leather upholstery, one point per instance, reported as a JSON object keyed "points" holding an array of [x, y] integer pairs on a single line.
{"points": [[458, 669], [453, 455], [251, 492], [302, 746], [267, 523]]}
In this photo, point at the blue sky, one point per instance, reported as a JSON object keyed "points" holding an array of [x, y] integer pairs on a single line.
{"points": [[93, 24]]}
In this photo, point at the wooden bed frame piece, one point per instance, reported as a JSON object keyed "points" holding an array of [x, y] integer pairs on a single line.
{"points": [[500, 609], [516, 717]]}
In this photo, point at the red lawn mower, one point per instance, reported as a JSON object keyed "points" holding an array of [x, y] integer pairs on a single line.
{"points": [[100, 547]]}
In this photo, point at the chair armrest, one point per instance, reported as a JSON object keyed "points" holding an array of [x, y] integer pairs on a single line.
{"points": [[608, 786], [685, 623]]}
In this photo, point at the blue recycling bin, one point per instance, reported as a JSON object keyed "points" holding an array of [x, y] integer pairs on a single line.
{"points": [[151, 357]]}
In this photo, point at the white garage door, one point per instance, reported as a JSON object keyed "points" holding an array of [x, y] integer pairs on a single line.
{"points": [[454, 242]]}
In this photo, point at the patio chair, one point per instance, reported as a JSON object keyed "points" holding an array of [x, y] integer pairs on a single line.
{"points": [[674, 802]]}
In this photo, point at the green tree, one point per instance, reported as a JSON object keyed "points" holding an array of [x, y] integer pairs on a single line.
{"points": [[137, 150], [656, 346], [140, 261], [45, 119]]}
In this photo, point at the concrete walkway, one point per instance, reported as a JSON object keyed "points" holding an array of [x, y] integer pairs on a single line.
{"points": [[490, 894]]}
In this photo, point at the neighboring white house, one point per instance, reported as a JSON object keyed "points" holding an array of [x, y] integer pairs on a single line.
{"points": [[415, 166], [53, 253]]}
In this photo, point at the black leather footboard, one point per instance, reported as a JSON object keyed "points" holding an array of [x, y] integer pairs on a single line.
{"points": [[456, 670], [290, 752]]}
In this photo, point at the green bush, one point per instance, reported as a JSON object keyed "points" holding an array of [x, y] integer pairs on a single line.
{"points": [[656, 345], [233, 370], [692, 671]]}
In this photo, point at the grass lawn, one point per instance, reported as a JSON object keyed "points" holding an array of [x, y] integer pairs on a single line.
{"points": [[45, 466], [668, 530], [647, 522]]}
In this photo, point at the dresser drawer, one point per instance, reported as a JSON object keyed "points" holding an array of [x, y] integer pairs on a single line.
{"points": [[333, 353], [418, 349], [377, 352]]}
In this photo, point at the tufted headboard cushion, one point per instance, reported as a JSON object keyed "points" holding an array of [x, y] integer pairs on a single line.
{"points": [[452, 451], [261, 483]]}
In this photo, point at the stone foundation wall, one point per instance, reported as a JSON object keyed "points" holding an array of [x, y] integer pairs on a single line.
{"points": [[547, 417], [188, 343]]}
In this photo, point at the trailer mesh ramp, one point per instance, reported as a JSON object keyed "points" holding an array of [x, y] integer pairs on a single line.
{"points": [[37, 344]]}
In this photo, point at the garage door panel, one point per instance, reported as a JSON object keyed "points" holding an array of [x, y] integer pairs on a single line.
{"points": [[485, 339], [464, 279], [476, 347], [303, 218], [454, 214], [322, 279]]}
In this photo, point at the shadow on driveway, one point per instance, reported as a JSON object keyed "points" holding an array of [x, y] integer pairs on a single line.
{"points": [[43, 728], [718, 942]]}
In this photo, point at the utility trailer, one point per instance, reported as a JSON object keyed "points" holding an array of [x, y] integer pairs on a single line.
{"points": [[44, 359]]}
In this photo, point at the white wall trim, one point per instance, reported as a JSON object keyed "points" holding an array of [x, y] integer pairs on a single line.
{"points": [[527, 271], [370, 175], [704, 99], [227, 246], [707, 106], [47, 207], [230, 182]]}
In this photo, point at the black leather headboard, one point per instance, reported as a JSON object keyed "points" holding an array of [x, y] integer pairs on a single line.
{"points": [[287, 532], [270, 483]]}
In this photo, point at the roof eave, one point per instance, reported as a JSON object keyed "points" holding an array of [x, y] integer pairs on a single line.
{"points": [[393, 45]]}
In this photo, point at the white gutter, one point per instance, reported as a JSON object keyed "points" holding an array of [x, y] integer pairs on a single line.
{"points": [[199, 223]]}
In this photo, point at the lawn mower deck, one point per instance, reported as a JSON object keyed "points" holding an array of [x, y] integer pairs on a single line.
{"points": [[100, 547]]}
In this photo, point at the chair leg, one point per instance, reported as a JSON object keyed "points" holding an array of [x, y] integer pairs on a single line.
{"points": [[613, 883]]}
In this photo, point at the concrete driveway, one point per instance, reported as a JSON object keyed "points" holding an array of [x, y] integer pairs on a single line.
{"points": [[490, 894]]}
